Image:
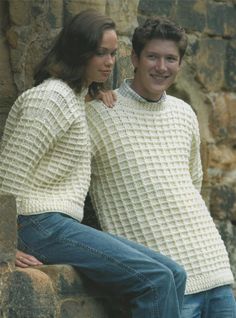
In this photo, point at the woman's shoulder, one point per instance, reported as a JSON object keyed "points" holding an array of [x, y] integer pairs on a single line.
{"points": [[55, 86], [51, 97], [51, 90]]}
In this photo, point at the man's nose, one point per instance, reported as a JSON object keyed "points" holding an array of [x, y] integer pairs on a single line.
{"points": [[161, 64]]}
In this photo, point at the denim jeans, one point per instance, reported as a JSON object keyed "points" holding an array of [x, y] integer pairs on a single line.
{"points": [[152, 284], [214, 303]]}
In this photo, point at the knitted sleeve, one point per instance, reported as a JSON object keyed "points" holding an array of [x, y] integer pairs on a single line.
{"points": [[34, 124], [195, 165], [94, 111]]}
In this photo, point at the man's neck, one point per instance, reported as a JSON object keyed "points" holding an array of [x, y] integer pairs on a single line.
{"points": [[150, 100]]}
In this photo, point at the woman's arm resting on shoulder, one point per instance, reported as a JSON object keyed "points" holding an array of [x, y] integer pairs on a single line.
{"points": [[25, 260]]}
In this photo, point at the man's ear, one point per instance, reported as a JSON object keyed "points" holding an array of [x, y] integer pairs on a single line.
{"points": [[181, 61], [134, 59]]}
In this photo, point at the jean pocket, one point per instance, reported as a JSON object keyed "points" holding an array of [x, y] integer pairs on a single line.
{"points": [[24, 220], [32, 236]]}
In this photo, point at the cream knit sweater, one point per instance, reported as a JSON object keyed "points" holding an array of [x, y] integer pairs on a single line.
{"points": [[146, 178], [45, 151]]}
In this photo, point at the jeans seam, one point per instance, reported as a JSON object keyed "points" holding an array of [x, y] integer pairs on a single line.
{"points": [[118, 264]]}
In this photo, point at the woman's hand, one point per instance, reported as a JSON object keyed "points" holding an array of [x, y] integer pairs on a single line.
{"points": [[107, 97], [25, 260]]}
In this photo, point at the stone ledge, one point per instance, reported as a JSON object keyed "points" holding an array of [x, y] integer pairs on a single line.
{"points": [[55, 291]]}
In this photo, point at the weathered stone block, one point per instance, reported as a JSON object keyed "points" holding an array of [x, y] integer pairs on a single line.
{"points": [[155, 7], [79, 295], [222, 158], [3, 118], [30, 295], [7, 228], [65, 279], [83, 307], [228, 234], [191, 14], [28, 52], [222, 202], [124, 13], [230, 66], [7, 89], [124, 68], [71, 7], [210, 62], [221, 19], [192, 48], [222, 121], [55, 13], [20, 11], [55, 291]]}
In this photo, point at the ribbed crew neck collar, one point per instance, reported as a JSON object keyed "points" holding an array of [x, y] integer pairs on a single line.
{"points": [[138, 101]]}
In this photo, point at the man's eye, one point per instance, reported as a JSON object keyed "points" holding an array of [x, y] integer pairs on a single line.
{"points": [[171, 59], [151, 57], [113, 53]]}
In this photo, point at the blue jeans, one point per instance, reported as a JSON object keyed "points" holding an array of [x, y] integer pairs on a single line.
{"points": [[214, 303], [152, 283]]}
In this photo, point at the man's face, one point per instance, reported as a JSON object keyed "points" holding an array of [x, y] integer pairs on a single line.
{"points": [[156, 68]]}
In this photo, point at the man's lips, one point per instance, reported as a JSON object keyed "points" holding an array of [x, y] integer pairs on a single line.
{"points": [[159, 77]]}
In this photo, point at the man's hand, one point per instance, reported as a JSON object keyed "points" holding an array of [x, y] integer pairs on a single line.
{"points": [[25, 260]]}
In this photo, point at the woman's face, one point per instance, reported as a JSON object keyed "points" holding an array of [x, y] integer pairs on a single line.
{"points": [[101, 64]]}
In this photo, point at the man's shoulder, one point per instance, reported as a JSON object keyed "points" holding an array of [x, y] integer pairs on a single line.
{"points": [[97, 113], [96, 107], [180, 105]]}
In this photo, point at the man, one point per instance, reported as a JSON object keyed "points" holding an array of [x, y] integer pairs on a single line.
{"points": [[146, 171]]}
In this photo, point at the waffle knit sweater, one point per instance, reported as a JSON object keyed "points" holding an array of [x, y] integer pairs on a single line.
{"points": [[146, 178], [45, 151]]}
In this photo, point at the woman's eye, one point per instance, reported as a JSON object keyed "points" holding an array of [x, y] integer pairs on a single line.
{"points": [[100, 53], [104, 53]]}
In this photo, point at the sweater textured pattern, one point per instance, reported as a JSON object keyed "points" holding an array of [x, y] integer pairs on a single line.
{"points": [[45, 151], [146, 180]]}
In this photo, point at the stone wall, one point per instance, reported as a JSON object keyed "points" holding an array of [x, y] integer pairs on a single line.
{"points": [[207, 81]]}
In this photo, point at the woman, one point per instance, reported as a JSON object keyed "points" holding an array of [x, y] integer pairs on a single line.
{"points": [[45, 163]]}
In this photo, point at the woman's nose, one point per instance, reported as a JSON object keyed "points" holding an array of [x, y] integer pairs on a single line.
{"points": [[110, 59]]}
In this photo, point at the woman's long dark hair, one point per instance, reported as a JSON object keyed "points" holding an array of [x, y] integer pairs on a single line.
{"points": [[75, 45]]}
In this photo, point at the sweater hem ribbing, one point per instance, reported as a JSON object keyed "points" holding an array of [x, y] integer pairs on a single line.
{"points": [[205, 282], [66, 207]]}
